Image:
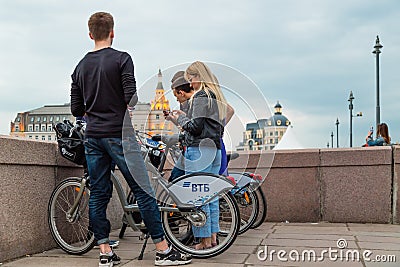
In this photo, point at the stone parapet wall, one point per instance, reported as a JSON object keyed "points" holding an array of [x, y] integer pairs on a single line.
{"points": [[308, 185], [29, 171]]}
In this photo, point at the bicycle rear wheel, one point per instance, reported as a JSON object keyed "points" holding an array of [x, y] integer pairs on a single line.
{"points": [[262, 209], [248, 206], [71, 234], [178, 230]]}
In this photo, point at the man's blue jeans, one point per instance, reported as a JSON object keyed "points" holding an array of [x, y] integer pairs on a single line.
{"points": [[100, 153], [205, 159]]}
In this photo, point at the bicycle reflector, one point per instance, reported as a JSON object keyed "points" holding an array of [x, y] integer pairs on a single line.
{"points": [[256, 177], [231, 179]]}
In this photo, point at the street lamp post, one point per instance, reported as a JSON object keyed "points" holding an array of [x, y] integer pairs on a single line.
{"points": [[377, 51], [332, 139], [337, 132], [351, 98], [359, 114]]}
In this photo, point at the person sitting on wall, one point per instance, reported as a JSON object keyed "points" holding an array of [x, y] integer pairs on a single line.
{"points": [[382, 136]]}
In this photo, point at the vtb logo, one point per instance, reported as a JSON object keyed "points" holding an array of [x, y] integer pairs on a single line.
{"points": [[197, 187]]}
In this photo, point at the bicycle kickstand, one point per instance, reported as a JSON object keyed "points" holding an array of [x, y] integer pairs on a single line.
{"points": [[146, 238]]}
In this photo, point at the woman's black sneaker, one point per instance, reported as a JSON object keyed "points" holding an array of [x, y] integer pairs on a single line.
{"points": [[173, 257], [109, 261]]}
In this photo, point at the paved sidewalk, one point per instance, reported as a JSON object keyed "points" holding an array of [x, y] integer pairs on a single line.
{"points": [[292, 239]]}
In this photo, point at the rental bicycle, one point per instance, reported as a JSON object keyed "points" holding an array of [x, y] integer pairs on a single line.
{"points": [[180, 209]]}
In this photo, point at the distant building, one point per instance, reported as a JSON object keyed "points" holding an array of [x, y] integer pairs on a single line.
{"points": [[37, 124], [265, 133]]}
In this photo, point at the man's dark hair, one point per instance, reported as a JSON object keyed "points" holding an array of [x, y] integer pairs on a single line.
{"points": [[184, 87], [100, 25]]}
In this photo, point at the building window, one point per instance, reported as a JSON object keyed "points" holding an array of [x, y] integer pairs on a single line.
{"points": [[281, 133], [49, 128], [58, 118], [271, 133], [49, 137], [43, 128], [38, 119], [51, 119], [36, 128], [276, 140], [30, 128], [44, 119], [30, 137], [36, 137], [43, 137], [157, 117], [64, 118], [32, 119], [276, 133], [18, 119]]}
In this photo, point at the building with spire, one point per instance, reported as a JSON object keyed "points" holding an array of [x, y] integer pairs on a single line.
{"points": [[149, 117], [37, 124], [265, 134]]}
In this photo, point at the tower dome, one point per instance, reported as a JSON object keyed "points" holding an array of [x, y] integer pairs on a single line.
{"points": [[278, 119]]}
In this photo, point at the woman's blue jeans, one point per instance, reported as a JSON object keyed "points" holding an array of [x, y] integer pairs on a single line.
{"points": [[205, 159], [100, 153]]}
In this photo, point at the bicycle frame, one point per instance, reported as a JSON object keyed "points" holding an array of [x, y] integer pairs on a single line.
{"points": [[173, 191]]}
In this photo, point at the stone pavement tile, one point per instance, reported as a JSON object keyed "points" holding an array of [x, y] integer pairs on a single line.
{"points": [[54, 261], [257, 233], [248, 241], [379, 239], [241, 249], [226, 258], [379, 246], [195, 263], [306, 243], [376, 233], [374, 227], [312, 230], [266, 225], [309, 236], [320, 224]]}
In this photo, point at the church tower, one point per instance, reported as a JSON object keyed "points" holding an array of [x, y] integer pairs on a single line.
{"points": [[160, 102], [156, 122]]}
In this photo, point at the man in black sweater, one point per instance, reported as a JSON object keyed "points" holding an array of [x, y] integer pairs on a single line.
{"points": [[104, 89]]}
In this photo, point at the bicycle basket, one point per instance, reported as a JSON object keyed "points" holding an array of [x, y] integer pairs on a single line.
{"points": [[72, 149], [70, 142]]}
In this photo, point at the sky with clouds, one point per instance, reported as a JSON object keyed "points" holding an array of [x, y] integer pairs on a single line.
{"points": [[307, 54]]}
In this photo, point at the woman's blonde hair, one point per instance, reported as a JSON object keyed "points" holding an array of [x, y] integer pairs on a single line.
{"points": [[209, 83]]}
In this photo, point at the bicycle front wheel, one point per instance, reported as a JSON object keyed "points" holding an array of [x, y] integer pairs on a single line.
{"points": [[178, 230], [71, 233]]}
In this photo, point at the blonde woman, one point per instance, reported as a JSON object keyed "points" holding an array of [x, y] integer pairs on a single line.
{"points": [[203, 126]]}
